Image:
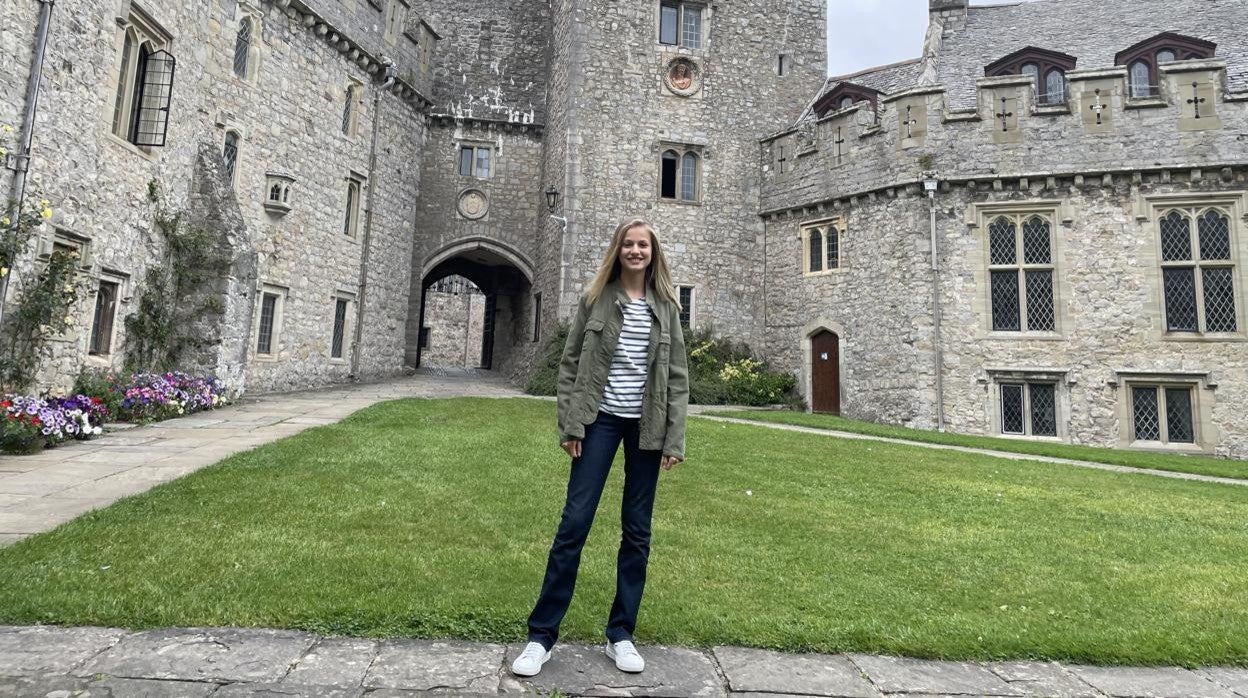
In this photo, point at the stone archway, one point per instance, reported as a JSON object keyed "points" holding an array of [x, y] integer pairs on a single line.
{"points": [[504, 276]]}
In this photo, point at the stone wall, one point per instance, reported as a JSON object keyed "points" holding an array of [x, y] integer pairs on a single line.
{"points": [[455, 322], [289, 119], [713, 245]]}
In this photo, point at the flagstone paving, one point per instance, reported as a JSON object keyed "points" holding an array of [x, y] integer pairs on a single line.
{"points": [[42, 491], [230, 662]]}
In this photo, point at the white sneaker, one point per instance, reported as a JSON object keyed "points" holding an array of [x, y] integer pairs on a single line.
{"points": [[530, 660], [626, 657]]}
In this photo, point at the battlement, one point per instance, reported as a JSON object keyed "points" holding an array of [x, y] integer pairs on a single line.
{"points": [[1190, 120]]}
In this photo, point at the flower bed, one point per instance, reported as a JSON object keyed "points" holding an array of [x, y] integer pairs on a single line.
{"points": [[33, 423], [151, 397]]}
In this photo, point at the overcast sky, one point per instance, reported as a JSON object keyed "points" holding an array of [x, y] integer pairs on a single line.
{"points": [[866, 33]]}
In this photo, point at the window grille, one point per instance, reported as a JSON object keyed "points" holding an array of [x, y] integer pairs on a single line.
{"points": [[268, 314], [348, 110], [1021, 271], [229, 154], [154, 93], [823, 246], [1163, 413], [102, 321], [816, 250], [1198, 275], [340, 323], [1029, 409], [686, 305], [242, 48]]}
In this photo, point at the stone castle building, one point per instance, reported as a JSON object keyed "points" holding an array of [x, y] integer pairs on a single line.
{"points": [[1031, 230]]}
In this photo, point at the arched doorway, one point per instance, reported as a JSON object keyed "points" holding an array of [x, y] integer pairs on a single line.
{"points": [[825, 372], [503, 278]]}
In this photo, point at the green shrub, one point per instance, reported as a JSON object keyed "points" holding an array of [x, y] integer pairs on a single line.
{"points": [[721, 372], [544, 380], [101, 383]]}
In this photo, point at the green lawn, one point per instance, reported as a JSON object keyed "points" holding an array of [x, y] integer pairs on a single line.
{"points": [[1176, 462], [433, 518]]}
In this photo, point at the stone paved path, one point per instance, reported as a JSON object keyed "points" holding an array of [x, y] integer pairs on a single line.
{"points": [[233, 662]]}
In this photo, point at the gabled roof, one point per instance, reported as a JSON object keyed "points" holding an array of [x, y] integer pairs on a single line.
{"points": [[884, 79]]}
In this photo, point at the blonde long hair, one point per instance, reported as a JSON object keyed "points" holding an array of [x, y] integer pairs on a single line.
{"points": [[658, 276]]}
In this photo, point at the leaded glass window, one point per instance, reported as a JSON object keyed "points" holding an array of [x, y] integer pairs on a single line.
{"points": [[1163, 413], [1141, 80], [1198, 273], [268, 316], [242, 48], [351, 218], [1054, 88], [689, 177], [229, 153], [822, 246], [1021, 274], [686, 305], [1029, 409], [340, 324], [349, 108], [102, 320], [815, 250], [691, 27]]}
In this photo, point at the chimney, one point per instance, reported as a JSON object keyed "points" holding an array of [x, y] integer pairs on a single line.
{"points": [[948, 14], [948, 6]]}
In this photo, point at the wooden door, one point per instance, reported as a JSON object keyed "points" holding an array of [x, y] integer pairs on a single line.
{"points": [[825, 373]]}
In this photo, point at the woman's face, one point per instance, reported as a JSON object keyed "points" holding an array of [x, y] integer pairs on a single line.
{"points": [[635, 249]]}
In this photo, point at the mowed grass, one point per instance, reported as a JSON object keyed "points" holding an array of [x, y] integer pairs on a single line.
{"points": [[433, 519], [1175, 462]]}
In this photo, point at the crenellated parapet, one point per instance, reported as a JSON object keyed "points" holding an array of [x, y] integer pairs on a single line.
{"points": [[1191, 120]]}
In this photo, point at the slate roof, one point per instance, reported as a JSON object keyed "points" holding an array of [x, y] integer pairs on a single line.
{"points": [[1092, 30], [886, 79]]}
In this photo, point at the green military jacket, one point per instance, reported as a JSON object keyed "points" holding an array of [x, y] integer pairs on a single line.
{"points": [[586, 364]]}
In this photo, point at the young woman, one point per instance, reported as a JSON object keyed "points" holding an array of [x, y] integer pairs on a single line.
{"points": [[623, 378]]}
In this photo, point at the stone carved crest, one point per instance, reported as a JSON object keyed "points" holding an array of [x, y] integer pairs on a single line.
{"points": [[682, 76], [473, 204]]}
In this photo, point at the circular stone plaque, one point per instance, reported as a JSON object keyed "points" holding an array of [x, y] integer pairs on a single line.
{"points": [[473, 204], [682, 77]]}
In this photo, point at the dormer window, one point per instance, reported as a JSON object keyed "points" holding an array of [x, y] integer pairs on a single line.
{"points": [[844, 96], [1047, 70], [1143, 59]]}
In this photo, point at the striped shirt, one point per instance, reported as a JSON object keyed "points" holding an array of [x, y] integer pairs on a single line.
{"points": [[627, 379]]}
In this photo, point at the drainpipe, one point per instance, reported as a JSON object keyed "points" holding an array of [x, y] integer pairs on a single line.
{"points": [[361, 297], [21, 160], [931, 185]]}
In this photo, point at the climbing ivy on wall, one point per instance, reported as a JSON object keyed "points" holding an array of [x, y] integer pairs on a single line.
{"points": [[176, 300]]}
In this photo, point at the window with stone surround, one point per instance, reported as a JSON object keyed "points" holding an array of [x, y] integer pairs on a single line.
{"points": [[229, 153], [476, 160], [351, 218], [1142, 60], [1163, 412], [1021, 273], [537, 317], [1047, 70], [272, 300], [242, 48], [1197, 256], [680, 176], [144, 80], [685, 295], [821, 246], [1028, 408], [680, 24], [342, 303], [103, 317], [351, 107]]}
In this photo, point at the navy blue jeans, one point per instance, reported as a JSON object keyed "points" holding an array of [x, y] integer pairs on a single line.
{"points": [[589, 474]]}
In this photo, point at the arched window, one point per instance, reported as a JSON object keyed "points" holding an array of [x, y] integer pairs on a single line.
{"points": [[1141, 80], [669, 164], [229, 153], [349, 108], [1142, 60], [275, 192], [242, 48], [846, 102], [1054, 87], [844, 96], [689, 178], [815, 251], [1047, 70], [120, 107]]}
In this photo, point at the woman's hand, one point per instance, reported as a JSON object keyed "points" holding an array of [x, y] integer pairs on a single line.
{"points": [[572, 447], [669, 461]]}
